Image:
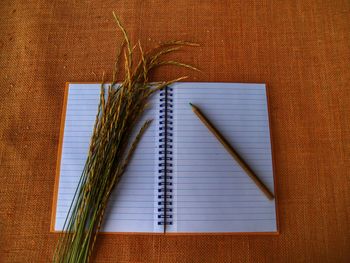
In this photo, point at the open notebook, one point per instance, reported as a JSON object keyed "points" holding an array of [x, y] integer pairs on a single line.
{"points": [[206, 190]]}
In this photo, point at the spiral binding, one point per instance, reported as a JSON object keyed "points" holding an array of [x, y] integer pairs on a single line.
{"points": [[165, 170]]}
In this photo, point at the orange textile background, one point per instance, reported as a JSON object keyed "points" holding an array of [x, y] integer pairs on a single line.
{"points": [[301, 49]]}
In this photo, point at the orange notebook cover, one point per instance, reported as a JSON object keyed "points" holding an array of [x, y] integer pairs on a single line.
{"points": [[180, 179]]}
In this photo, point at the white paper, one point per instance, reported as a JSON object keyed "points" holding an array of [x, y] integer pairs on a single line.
{"points": [[211, 191], [132, 205]]}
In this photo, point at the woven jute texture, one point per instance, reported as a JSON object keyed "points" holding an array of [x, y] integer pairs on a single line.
{"points": [[301, 49]]}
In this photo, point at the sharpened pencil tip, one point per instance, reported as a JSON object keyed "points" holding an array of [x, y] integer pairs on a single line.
{"points": [[190, 104]]}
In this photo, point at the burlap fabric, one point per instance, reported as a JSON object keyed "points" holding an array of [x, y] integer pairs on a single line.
{"points": [[301, 49]]}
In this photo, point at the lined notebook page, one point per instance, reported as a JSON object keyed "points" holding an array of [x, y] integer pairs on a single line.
{"points": [[211, 191], [132, 206]]}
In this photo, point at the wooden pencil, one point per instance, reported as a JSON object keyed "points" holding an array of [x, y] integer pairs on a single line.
{"points": [[232, 152]]}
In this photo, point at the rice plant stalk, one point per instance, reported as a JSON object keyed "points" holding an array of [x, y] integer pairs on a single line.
{"points": [[109, 151]]}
